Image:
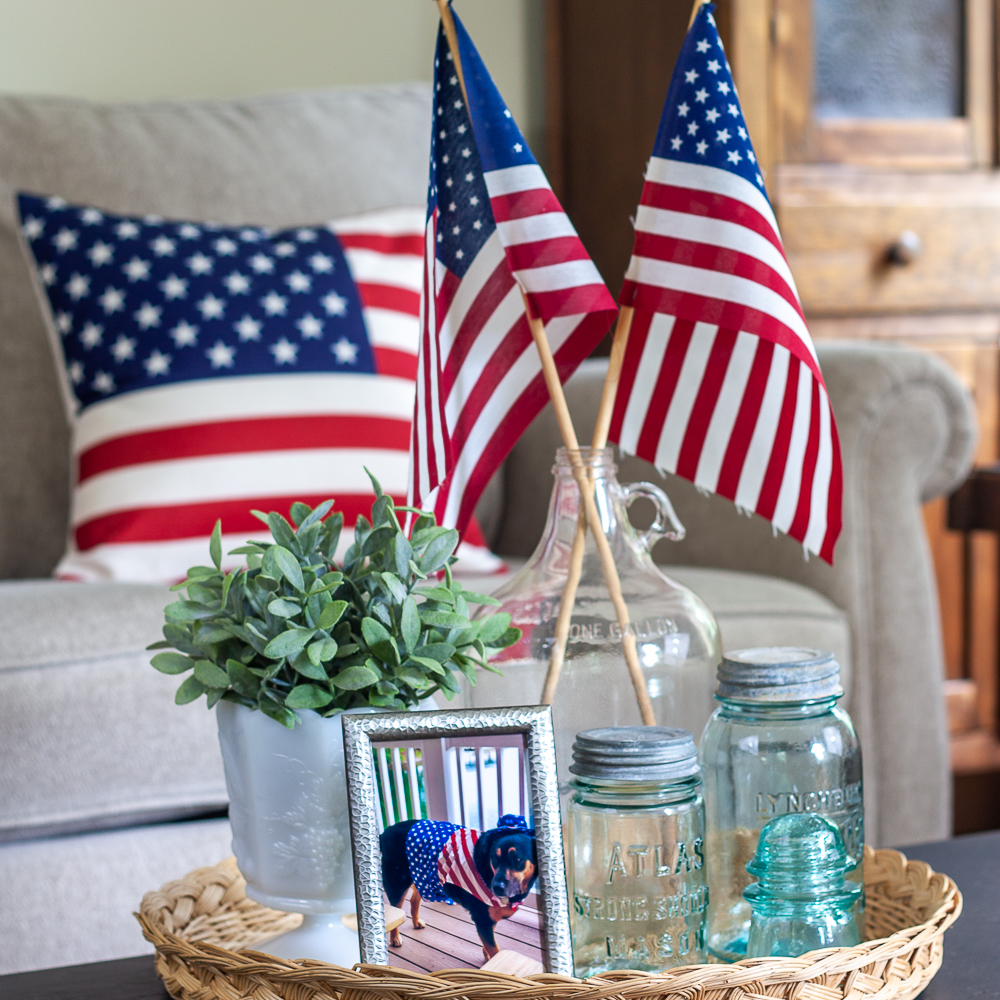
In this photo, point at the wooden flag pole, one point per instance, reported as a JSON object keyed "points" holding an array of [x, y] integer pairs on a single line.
{"points": [[593, 520], [694, 11], [566, 429], [599, 441]]}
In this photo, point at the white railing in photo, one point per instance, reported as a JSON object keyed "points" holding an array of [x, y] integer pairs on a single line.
{"points": [[448, 779]]}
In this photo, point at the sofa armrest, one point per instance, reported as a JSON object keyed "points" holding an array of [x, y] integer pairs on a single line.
{"points": [[907, 431]]}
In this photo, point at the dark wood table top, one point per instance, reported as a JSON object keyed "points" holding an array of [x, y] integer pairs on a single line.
{"points": [[971, 968]]}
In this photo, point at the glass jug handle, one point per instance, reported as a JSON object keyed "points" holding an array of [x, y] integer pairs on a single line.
{"points": [[664, 514]]}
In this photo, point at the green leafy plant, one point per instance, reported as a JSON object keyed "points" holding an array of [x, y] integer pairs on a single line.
{"points": [[292, 630]]}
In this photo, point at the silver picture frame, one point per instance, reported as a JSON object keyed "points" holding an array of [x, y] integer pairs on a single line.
{"points": [[362, 732]]}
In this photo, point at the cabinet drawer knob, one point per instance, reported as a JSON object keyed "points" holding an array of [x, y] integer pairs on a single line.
{"points": [[905, 249]]}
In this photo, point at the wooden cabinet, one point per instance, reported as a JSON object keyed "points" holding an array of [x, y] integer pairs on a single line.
{"points": [[875, 126], [892, 228]]}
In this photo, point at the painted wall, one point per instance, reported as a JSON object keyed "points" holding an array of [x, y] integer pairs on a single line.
{"points": [[122, 50]]}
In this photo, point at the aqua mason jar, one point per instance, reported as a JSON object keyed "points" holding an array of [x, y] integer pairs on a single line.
{"points": [[635, 848], [676, 635], [801, 901], [778, 743]]}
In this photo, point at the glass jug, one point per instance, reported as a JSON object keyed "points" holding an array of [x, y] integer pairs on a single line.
{"points": [[677, 636]]}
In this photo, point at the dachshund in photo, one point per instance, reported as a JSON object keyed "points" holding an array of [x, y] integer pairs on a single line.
{"points": [[488, 873]]}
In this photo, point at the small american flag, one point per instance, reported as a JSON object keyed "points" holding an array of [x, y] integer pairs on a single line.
{"points": [[494, 227], [720, 383]]}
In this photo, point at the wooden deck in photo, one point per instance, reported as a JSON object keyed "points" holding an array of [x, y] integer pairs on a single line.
{"points": [[450, 941]]}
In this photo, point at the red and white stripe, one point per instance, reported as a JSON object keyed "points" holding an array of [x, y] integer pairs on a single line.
{"points": [[720, 383], [156, 467], [457, 866], [479, 380]]}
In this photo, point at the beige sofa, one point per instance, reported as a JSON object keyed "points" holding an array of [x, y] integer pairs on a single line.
{"points": [[107, 789]]}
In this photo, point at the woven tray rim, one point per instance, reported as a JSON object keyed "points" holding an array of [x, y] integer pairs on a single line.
{"points": [[247, 970]]}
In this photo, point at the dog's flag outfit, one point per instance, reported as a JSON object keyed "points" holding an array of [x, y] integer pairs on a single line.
{"points": [[439, 854]]}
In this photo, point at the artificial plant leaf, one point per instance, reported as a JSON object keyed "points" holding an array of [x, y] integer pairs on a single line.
{"points": [[379, 641], [172, 663], [179, 636], [299, 512], [395, 588], [509, 637], [159, 644], [403, 553], [188, 611], [210, 675], [376, 485], [473, 598], [208, 635], [354, 678], [490, 629], [227, 584], [304, 664], [215, 544], [442, 594], [277, 712], [410, 623], [382, 512], [243, 680], [308, 696], [320, 652], [288, 643], [437, 552], [245, 550], [191, 688], [281, 529], [331, 530], [443, 619], [378, 540], [427, 663], [318, 513], [413, 677], [331, 614], [283, 608], [440, 651], [288, 564]]}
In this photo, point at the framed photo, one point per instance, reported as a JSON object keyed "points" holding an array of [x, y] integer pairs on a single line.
{"points": [[458, 855]]}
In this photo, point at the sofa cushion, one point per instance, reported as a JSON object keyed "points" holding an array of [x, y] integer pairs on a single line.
{"points": [[276, 161], [90, 736], [70, 900]]}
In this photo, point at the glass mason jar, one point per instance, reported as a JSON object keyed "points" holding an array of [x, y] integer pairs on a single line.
{"points": [[676, 634], [635, 844], [777, 744]]}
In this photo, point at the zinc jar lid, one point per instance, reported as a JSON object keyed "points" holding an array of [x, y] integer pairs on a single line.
{"points": [[635, 753], [779, 674]]}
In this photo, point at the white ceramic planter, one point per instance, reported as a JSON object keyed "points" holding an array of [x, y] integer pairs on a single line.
{"points": [[291, 834]]}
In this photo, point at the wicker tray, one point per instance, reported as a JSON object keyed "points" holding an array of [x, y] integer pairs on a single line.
{"points": [[200, 923]]}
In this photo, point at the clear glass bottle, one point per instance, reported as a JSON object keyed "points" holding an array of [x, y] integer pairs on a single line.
{"points": [[801, 900], [778, 743], [636, 849], [677, 636]]}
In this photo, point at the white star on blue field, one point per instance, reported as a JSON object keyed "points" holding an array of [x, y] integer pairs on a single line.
{"points": [[140, 302], [702, 119]]}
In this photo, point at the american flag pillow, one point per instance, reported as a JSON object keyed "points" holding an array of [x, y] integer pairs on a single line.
{"points": [[215, 369]]}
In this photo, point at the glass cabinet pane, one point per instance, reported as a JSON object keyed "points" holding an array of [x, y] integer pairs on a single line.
{"points": [[888, 58]]}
